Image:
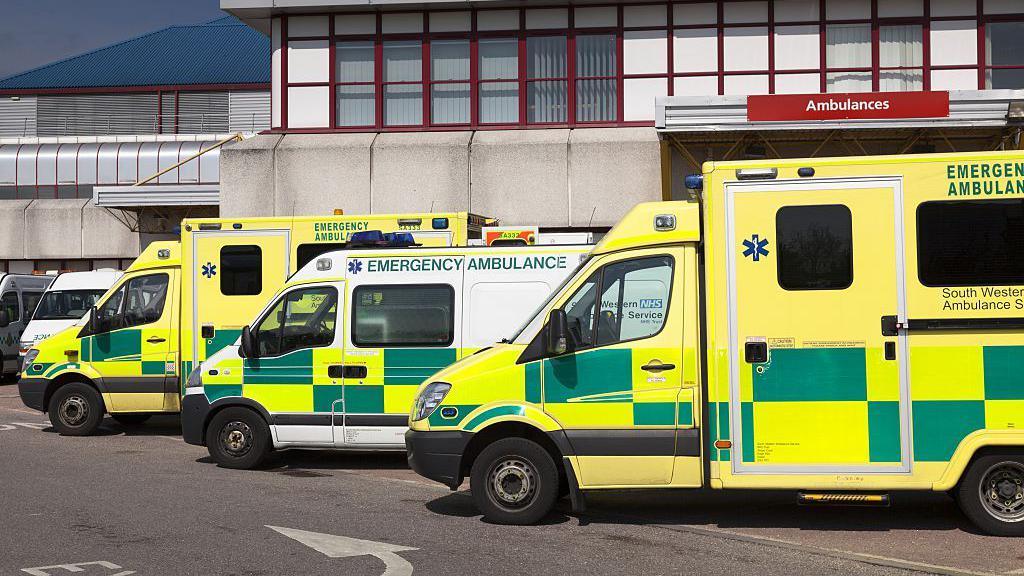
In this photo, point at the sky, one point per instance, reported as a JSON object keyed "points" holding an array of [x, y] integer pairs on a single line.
{"points": [[37, 32]]}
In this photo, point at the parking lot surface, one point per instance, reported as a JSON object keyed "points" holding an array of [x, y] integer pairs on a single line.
{"points": [[141, 501]]}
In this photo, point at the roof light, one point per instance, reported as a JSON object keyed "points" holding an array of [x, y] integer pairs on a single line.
{"points": [[323, 264], [665, 222], [805, 172], [339, 212], [163, 253], [439, 223], [694, 181], [757, 173], [410, 221], [209, 226]]}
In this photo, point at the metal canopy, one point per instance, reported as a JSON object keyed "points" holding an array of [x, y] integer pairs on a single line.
{"points": [[967, 109], [156, 195]]}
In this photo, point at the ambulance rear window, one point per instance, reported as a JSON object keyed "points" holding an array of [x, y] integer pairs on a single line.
{"points": [[241, 270], [815, 246], [970, 242]]}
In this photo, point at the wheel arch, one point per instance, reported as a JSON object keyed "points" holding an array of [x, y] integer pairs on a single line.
{"points": [[66, 378], [553, 442], [975, 445], [222, 404]]}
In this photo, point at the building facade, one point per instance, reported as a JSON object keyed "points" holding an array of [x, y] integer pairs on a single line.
{"points": [[546, 112], [77, 135]]}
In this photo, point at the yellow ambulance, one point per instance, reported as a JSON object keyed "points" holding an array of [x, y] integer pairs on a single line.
{"points": [[180, 302], [842, 327], [335, 358]]}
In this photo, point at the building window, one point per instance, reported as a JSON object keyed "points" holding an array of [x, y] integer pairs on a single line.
{"points": [[1004, 55], [403, 88], [410, 315], [546, 80], [815, 247], [595, 78], [848, 58], [900, 58], [970, 242], [356, 93], [449, 77], [499, 80]]}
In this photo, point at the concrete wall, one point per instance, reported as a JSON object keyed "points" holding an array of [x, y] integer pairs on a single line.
{"points": [[62, 229], [555, 178]]}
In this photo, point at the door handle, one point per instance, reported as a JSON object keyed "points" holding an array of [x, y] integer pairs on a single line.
{"points": [[890, 350], [155, 340], [657, 366]]}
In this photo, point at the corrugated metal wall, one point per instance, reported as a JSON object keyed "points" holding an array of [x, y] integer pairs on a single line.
{"points": [[202, 112], [96, 114], [249, 111], [167, 113], [18, 116]]}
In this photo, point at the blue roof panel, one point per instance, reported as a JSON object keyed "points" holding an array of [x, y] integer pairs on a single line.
{"points": [[222, 51]]}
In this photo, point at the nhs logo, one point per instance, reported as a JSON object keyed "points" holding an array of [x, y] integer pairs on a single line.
{"points": [[651, 302]]}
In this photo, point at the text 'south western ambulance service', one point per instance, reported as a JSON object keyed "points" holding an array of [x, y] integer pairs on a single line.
{"points": [[841, 327]]}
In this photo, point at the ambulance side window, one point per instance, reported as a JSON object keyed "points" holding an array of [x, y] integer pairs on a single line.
{"points": [[9, 303], [146, 296], [300, 319], [29, 301], [815, 245], [634, 299], [241, 270], [970, 242], [109, 313], [409, 315], [579, 311]]}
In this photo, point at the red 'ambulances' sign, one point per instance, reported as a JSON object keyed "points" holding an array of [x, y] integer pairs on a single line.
{"points": [[847, 106]]}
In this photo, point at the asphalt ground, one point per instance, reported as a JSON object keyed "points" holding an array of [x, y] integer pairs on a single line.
{"points": [[141, 501]]}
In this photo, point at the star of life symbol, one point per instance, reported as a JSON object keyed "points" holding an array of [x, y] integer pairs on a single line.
{"points": [[355, 266], [209, 270], [755, 247]]}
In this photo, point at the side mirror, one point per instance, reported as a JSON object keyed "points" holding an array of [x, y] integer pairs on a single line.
{"points": [[558, 333], [5, 319], [248, 344]]}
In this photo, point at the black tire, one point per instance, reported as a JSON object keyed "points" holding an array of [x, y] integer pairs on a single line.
{"points": [[238, 438], [991, 494], [514, 481], [131, 419], [76, 409]]}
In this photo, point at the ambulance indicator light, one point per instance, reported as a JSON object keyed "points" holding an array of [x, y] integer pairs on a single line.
{"points": [[323, 264], [163, 254], [210, 226], [237, 225], [694, 181], [339, 212], [805, 172], [723, 444], [439, 223], [665, 222], [757, 173]]}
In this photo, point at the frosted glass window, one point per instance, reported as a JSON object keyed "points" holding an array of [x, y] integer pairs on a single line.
{"points": [[547, 18], [695, 50], [499, 86], [355, 75], [355, 24], [745, 84], [595, 70], [900, 8], [645, 52], [497, 20], [547, 90], [900, 47], [449, 61], [643, 16], [848, 46], [952, 8], [638, 100], [688, 14], [797, 83], [955, 79], [308, 61], [299, 26], [746, 48], [596, 17], [847, 9], [948, 42], [797, 47], [796, 10], [403, 103], [401, 23], [449, 21], [695, 86], [745, 12], [309, 106]]}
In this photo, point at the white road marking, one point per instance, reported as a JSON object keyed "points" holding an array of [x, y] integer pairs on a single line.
{"points": [[76, 567], [6, 427], [344, 547], [32, 425]]}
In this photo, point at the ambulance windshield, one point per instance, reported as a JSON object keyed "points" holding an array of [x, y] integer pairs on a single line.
{"points": [[525, 333]]}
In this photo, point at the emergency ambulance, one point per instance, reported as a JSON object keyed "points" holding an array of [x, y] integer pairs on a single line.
{"points": [[19, 294], [843, 328], [180, 302], [67, 299], [334, 360]]}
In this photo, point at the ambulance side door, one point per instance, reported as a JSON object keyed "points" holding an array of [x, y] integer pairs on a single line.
{"points": [[616, 390]]}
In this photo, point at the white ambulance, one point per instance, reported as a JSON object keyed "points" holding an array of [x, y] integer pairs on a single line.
{"points": [[19, 294], [67, 299]]}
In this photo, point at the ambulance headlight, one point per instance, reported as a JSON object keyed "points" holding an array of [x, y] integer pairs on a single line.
{"points": [[30, 356], [195, 377], [429, 399]]}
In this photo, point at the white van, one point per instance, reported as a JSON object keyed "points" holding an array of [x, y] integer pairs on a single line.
{"points": [[67, 299], [335, 359], [19, 294]]}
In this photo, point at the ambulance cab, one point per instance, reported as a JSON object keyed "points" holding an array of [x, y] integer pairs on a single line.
{"points": [[70, 296]]}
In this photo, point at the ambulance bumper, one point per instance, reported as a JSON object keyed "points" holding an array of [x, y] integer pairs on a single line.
{"points": [[32, 391], [437, 455], [194, 410]]}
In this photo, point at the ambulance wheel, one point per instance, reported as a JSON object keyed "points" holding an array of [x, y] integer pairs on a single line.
{"points": [[130, 419], [514, 481], [76, 409], [238, 438], [991, 494]]}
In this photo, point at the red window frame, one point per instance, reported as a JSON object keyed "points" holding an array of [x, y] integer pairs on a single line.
{"points": [[670, 75]]}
